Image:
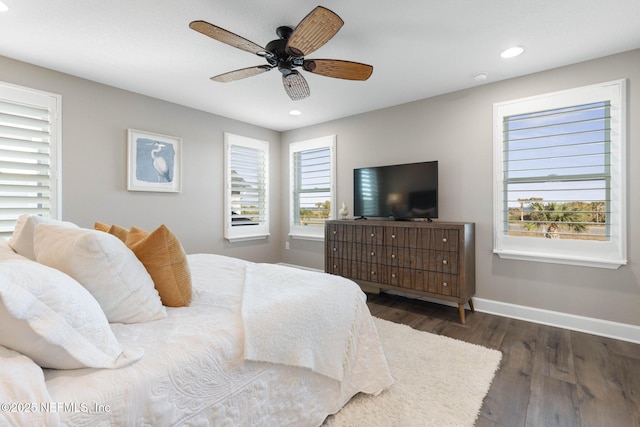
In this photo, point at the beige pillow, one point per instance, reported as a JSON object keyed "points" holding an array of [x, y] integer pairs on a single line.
{"points": [[164, 258], [105, 267], [22, 238]]}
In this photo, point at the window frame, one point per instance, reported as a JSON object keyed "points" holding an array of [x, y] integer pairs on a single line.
{"points": [[52, 102], [602, 254], [305, 232], [257, 231]]}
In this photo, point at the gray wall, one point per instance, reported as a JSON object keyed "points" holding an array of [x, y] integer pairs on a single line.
{"points": [[456, 130], [94, 132]]}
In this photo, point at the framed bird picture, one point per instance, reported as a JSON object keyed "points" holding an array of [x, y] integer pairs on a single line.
{"points": [[153, 162]]}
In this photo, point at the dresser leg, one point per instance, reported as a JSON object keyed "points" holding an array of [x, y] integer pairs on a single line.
{"points": [[473, 310], [461, 310]]}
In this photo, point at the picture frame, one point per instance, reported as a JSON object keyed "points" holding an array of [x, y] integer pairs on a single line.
{"points": [[154, 162]]}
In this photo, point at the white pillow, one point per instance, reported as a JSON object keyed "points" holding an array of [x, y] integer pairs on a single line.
{"points": [[51, 318], [105, 267], [22, 238]]}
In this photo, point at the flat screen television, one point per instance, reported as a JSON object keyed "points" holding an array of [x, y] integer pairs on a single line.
{"points": [[401, 192]]}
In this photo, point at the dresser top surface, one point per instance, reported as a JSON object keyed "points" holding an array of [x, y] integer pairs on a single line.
{"points": [[392, 223]]}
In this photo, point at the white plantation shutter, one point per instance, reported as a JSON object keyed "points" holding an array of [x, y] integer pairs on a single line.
{"points": [[29, 134], [560, 168], [246, 188], [312, 165]]}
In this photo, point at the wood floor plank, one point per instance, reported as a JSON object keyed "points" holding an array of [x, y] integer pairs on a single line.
{"points": [[508, 398], [519, 346], [554, 357], [552, 403]]}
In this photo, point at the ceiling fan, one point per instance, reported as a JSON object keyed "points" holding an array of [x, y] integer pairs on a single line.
{"points": [[288, 52]]}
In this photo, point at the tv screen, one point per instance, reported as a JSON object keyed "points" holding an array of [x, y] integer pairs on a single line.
{"points": [[402, 192]]}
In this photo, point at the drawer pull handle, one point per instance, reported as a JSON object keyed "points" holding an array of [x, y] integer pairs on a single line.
{"points": [[444, 240], [393, 255], [335, 266], [334, 231], [393, 275], [393, 236], [445, 284], [373, 273], [373, 254], [372, 234], [335, 249], [445, 262]]}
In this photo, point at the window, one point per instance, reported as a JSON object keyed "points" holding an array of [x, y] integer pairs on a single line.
{"points": [[560, 172], [29, 147], [246, 188], [312, 202]]}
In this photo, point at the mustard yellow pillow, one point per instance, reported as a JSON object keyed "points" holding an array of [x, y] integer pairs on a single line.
{"points": [[164, 258], [100, 226], [116, 230]]}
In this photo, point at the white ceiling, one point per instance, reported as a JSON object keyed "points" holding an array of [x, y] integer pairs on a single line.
{"points": [[418, 48]]}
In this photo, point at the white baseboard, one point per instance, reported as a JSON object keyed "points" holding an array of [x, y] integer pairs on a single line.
{"points": [[301, 267], [589, 325]]}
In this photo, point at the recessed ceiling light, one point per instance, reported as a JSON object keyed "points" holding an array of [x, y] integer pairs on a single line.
{"points": [[295, 112], [512, 52], [479, 77], [3, 7]]}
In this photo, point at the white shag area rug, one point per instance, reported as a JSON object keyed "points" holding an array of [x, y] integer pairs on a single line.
{"points": [[439, 382]]}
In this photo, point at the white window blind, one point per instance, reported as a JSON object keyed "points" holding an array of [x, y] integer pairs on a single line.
{"points": [[246, 174], [29, 134], [312, 165], [561, 190]]}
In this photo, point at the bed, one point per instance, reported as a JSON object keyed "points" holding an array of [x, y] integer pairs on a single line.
{"points": [[249, 344]]}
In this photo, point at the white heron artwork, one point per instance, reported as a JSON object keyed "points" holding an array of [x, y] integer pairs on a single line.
{"points": [[155, 161]]}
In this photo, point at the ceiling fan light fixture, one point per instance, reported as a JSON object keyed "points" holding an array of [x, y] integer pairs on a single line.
{"points": [[3, 7], [295, 113], [295, 85], [512, 52]]}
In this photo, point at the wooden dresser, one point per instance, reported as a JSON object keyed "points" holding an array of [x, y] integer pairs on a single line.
{"points": [[433, 259]]}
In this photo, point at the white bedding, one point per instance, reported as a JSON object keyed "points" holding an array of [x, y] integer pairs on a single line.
{"points": [[312, 321], [193, 372]]}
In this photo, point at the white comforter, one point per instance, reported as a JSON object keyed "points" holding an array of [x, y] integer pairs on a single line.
{"points": [[193, 372]]}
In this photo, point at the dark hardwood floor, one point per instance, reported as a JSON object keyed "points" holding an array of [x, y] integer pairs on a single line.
{"points": [[548, 376]]}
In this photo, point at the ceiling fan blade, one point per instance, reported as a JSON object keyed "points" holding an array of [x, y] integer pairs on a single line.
{"points": [[338, 69], [313, 31], [241, 74], [225, 36], [296, 86]]}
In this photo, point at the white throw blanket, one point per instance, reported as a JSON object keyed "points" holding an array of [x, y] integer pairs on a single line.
{"points": [[301, 318]]}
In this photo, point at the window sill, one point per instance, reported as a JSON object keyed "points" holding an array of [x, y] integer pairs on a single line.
{"points": [[560, 259], [312, 237], [246, 238]]}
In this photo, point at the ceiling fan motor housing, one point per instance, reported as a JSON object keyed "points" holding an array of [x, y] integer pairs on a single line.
{"points": [[280, 56]]}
